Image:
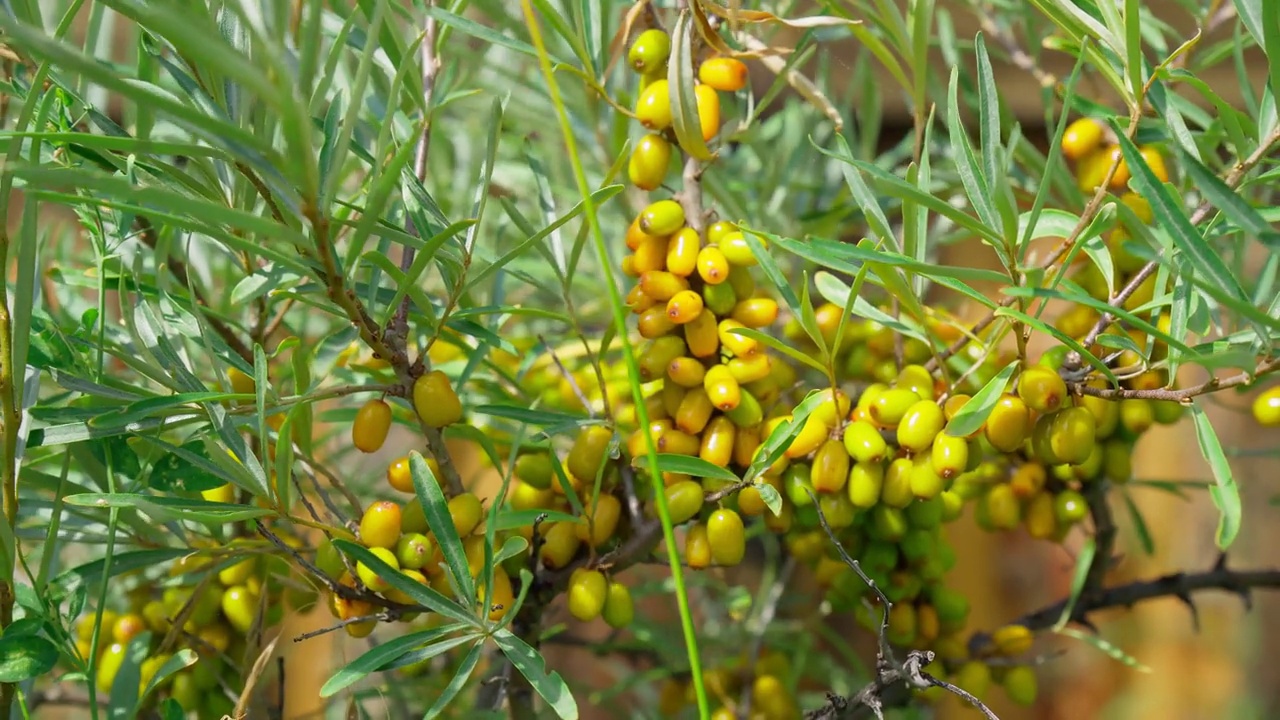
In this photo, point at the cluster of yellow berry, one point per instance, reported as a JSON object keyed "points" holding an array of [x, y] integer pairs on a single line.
{"points": [[211, 603]]}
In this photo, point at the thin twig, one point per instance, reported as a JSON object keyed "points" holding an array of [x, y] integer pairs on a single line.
{"points": [[1179, 585]]}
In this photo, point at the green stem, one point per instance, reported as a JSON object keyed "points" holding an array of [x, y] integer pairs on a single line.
{"points": [[628, 352]]}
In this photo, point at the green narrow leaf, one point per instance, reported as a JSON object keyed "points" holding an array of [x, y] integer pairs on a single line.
{"points": [[988, 113], [1224, 492], [1108, 649], [693, 466], [379, 656], [550, 686], [685, 119], [171, 508], [1228, 201], [419, 592], [460, 678], [974, 412], [180, 660], [1084, 561], [436, 508], [1139, 525]]}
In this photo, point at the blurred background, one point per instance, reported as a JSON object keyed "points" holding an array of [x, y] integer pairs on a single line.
{"points": [[1220, 671]]}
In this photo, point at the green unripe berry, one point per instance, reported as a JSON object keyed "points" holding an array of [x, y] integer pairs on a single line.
{"points": [[1001, 507], [888, 523], [1070, 507], [663, 217], [413, 551], [1117, 461], [1266, 407], [1072, 435], [1021, 685], [619, 609], [866, 479], [950, 455], [684, 500], [1137, 416], [864, 443], [727, 536], [649, 51], [892, 405], [925, 483]]}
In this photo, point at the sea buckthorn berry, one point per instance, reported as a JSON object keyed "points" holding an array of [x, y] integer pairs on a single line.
{"points": [[604, 521], [1028, 480], [412, 517], [916, 379], [684, 307], [737, 250], [920, 425], [524, 496], [747, 414], [1266, 407], [369, 430], [686, 372], [747, 370], [662, 285], [502, 599], [127, 627], [1139, 205], [739, 345], [747, 440], [926, 483], [1155, 161], [414, 550], [628, 266], [589, 452], [866, 479], [657, 354], [109, 665], [653, 107], [1105, 412], [695, 411], [724, 391], [697, 547], [1070, 507], [719, 299], [649, 51], [619, 609], [240, 607], [837, 509], [587, 591], [896, 490], [400, 478], [1117, 461], [1013, 639], [684, 500], [863, 442], [648, 165], [1007, 425], [1002, 507], [708, 105], [559, 545], [654, 322], [1021, 685], [811, 436], [755, 312], [718, 441], [535, 469], [833, 409], [1072, 435], [702, 336], [650, 255], [435, 401], [1040, 517], [370, 577], [727, 536], [892, 405], [662, 218], [1042, 389], [797, 484], [723, 73], [241, 384], [830, 470], [718, 230], [713, 266], [466, 512], [1119, 179], [682, 252], [380, 525], [1082, 138], [950, 455], [225, 493], [678, 442], [1092, 170]]}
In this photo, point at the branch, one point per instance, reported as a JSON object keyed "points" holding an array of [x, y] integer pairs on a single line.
{"points": [[1232, 179], [1180, 585]]}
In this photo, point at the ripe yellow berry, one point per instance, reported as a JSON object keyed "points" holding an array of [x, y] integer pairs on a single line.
{"points": [[662, 218], [1093, 169], [755, 312], [1042, 389], [648, 165], [466, 511], [604, 521], [920, 425], [380, 525], [722, 73], [830, 469], [736, 250], [724, 391], [702, 335], [684, 500], [653, 107], [750, 369], [718, 441], [589, 452], [684, 307], [619, 609], [740, 345], [708, 105], [811, 436], [240, 607], [950, 455], [713, 266], [1007, 425], [654, 322], [682, 252], [559, 545], [435, 401], [370, 577], [661, 285], [1081, 138], [697, 547], [373, 421], [650, 254], [727, 537], [1266, 407]]}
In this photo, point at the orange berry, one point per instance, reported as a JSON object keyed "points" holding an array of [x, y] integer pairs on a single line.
{"points": [[380, 525], [722, 73]]}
